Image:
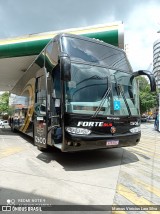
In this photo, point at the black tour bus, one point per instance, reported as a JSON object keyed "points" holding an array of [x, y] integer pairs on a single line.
{"points": [[79, 94]]}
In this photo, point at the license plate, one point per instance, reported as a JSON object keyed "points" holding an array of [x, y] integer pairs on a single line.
{"points": [[112, 142]]}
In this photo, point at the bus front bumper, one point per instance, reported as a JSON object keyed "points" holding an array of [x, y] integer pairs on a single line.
{"points": [[77, 143]]}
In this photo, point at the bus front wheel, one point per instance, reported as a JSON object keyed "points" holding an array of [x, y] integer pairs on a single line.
{"points": [[42, 149]]}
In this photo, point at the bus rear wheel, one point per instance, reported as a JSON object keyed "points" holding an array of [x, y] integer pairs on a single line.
{"points": [[13, 128]]}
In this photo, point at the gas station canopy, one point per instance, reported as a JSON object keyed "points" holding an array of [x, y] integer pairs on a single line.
{"points": [[16, 54]]}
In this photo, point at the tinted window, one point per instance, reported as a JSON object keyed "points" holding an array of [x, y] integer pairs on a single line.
{"points": [[94, 52], [51, 56]]}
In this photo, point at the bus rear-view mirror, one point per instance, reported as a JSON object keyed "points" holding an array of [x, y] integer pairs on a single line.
{"points": [[65, 66], [150, 77]]}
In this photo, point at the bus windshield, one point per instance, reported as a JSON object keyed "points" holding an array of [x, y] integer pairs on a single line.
{"points": [[97, 90]]}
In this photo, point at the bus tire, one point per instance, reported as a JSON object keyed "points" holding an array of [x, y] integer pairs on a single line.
{"points": [[42, 149]]}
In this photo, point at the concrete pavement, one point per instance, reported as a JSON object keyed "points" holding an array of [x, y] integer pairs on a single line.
{"points": [[124, 176]]}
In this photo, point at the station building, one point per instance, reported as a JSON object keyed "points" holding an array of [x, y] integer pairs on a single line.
{"points": [[156, 61]]}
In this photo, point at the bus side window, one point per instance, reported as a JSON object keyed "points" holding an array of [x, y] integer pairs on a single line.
{"points": [[40, 102], [56, 88], [56, 79]]}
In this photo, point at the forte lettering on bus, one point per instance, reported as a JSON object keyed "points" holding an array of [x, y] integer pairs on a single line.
{"points": [[90, 123]]}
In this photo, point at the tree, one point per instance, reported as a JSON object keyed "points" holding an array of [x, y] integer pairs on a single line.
{"points": [[4, 102], [148, 99]]}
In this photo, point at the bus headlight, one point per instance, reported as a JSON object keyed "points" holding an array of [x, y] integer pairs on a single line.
{"points": [[135, 129], [81, 131]]}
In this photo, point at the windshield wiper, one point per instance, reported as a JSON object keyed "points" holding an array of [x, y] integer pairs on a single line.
{"points": [[102, 102], [120, 90]]}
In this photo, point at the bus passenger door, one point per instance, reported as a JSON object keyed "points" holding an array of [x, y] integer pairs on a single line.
{"points": [[56, 130], [41, 114]]}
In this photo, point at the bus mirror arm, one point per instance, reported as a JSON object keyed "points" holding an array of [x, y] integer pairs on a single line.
{"points": [[149, 75]]}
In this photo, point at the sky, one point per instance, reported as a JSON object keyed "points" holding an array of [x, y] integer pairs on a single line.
{"points": [[141, 20]]}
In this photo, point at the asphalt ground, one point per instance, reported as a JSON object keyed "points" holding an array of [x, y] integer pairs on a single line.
{"points": [[122, 176]]}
